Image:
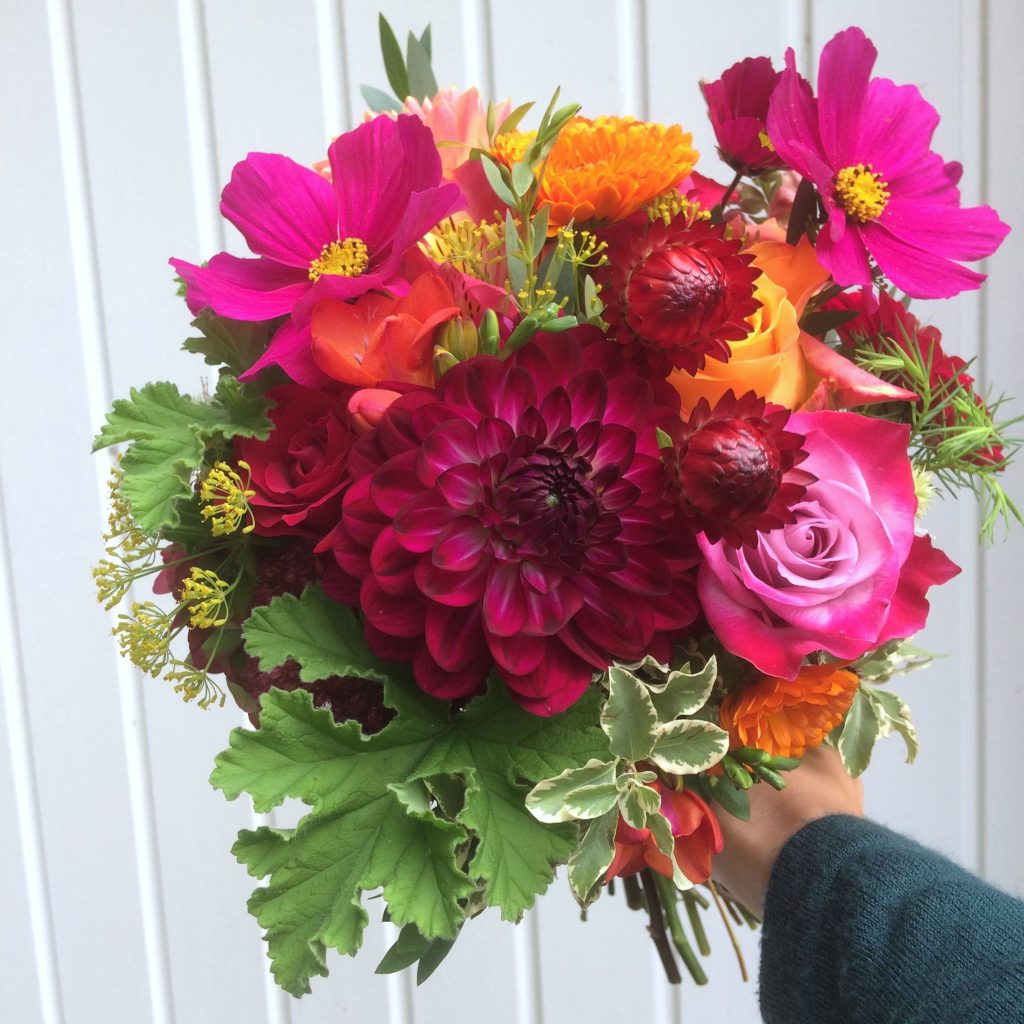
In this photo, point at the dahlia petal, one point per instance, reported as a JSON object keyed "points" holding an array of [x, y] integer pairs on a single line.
{"points": [[615, 446], [458, 589], [844, 70], [395, 483], [244, 289], [518, 654], [397, 616], [461, 486], [547, 614], [390, 648], [504, 601], [452, 444], [588, 394], [645, 573], [493, 436], [445, 685], [284, 211], [620, 495], [629, 402], [515, 393], [421, 520], [554, 685], [556, 410], [454, 637], [361, 520], [461, 545], [393, 565]]}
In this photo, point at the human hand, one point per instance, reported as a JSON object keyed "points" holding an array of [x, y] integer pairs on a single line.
{"points": [[819, 787]]}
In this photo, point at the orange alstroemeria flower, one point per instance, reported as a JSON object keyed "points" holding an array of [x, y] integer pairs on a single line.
{"points": [[378, 338]]}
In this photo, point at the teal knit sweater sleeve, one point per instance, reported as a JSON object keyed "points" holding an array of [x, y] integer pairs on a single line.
{"points": [[863, 926]]}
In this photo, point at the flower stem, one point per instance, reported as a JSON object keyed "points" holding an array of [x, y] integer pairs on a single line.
{"points": [[675, 925], [657, 928], [719, 211], [728, 928], [693, 913], [634, 894]]}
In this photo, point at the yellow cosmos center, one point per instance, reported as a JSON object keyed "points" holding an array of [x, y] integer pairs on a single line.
{"points": [[762, 137], [347, 258], [862, 192]]}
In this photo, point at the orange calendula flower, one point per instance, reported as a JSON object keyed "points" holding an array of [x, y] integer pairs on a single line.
{"points": [[607, 168], [786, 717]]}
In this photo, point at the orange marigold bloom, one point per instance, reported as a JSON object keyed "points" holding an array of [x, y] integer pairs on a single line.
{"points": [[785, 717], [607, 168]]}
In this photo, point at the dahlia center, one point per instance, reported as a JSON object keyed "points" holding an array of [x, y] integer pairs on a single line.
{"points": [[347, 257], [862, 192], [677, 293]]}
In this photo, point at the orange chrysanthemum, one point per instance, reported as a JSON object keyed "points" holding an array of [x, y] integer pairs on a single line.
{"points": [[785, 717], [606, 169]]}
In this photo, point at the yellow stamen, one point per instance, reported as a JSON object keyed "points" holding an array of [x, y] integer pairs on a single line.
{"points": [[345, 258], [672, 204], [862, 192], [227, 499], [762, 137], [205, 593]]}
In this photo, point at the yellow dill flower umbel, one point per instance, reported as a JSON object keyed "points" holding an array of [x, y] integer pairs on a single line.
{"points": [[604, 170], [786, 717], [227, 499], [205, 595]]}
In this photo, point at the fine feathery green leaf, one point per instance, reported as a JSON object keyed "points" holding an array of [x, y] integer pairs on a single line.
{"points": [[422, 84], [592, 858], [629, 719], [320, 634], [689, 746], [394, 64], [857, 734], [379, 101], [370, 825]]}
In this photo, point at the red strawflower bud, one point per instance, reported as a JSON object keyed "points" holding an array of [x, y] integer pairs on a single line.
{"points": [[682, 288], [734, 468]]}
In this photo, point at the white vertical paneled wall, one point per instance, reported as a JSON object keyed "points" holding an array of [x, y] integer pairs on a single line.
{"points": [[121, 121]]}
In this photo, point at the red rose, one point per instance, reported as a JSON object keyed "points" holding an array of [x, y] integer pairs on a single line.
{"points": [[299, 473]]}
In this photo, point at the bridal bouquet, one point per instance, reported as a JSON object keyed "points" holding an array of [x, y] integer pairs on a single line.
{"points": [[551, 494]]}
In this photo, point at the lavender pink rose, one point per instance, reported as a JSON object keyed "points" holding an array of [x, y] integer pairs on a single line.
{"points": [[848, 575]]}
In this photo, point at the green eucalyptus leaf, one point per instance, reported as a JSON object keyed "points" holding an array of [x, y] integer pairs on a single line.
{"points": [[495, 174], [405, 951], [515, 260], [433, 958], [379, 101], [512, 121], [540, 227], [422, 84], [628, 718], [592, 858], [394, 65], [425, 42], [734, 800], [548, 801], [522, 178]]}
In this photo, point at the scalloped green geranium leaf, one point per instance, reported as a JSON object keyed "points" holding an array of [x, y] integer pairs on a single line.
{"points": [[629, 719], [372, 824], [157, 471], [689, 746], [236, 344], [323, 636]]}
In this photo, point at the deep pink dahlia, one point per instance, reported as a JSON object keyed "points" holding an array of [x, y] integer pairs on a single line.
{"points": [[315, 238], [518, 518], [865, 143]]}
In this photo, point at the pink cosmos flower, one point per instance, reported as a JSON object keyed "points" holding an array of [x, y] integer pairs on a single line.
{"points": [[315, 238], [848, 574], [518, 518], [865, 143]]}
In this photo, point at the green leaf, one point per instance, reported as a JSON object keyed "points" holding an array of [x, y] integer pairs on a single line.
{"points": [[322, 635], [236, 344], [422, 84], [592, 858], [370, 822], [734, 800], [394, 65], [512, 121], [548, 800], [637, 802], [156, 476], [404, 951], [628, 718], [857, 734], [516, 268], [688, 746], [425, 42], [662, 832], [246, 413], [683, 692], [493, 172], [522, 178], [893, 714], [433, 958], [378, 101]]}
